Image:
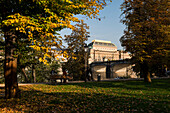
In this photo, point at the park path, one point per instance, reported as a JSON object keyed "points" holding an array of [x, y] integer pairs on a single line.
{"points": [[131, 79]]}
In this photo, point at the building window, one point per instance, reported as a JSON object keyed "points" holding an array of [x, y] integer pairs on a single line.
{"points": [[100, 43]]}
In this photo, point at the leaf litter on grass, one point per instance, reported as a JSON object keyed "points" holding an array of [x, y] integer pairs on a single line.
{"points": [[91, 97]]}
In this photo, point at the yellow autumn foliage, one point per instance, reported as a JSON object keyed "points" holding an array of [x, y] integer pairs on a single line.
{"points": [[45, 26]]}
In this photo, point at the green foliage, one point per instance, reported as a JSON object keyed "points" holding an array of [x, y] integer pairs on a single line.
{"points": [[146, 36], [36, 22], [75, 67], [40, 20], [42, 71], [76, 42], [2, 57], [100, 97]]}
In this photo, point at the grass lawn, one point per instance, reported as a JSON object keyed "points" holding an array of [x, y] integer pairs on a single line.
{"points": [[126, 96]]}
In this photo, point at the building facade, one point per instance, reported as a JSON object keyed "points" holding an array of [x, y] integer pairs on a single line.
{"points": [[101, 50]]}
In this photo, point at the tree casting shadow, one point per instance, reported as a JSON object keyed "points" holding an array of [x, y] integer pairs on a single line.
{"points": [[38, 101]]}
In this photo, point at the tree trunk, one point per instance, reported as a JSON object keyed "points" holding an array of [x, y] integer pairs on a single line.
{"points": [[25, 75], [147, 78], [145, 71], [33, 73], [10, 66], [85, 66]]}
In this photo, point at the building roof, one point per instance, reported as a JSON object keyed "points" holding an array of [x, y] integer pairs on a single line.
{"points": [[101, 41]]}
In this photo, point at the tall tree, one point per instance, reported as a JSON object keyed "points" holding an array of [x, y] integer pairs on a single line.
{"points": [[38, 21], [147, 33], [76, 42], [2, 48]]}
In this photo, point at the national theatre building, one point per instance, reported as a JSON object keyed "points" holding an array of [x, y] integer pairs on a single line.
{"points": [[101, 50]]}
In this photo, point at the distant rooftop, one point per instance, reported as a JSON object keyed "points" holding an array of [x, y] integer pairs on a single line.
{"points": [[104, 41], [101, 43]]}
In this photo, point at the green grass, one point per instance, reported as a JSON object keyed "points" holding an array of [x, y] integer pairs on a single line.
{"points": [[127, 96]]}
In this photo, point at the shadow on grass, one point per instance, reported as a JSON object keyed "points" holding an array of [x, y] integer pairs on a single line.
{"points": [[53, 101], [132, 85]]}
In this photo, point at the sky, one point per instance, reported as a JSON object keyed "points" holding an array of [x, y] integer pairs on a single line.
{"points": [[109, 28]]}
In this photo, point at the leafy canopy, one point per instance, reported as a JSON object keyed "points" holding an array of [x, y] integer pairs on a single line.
{"points": [[147, 33], [39, 20]]}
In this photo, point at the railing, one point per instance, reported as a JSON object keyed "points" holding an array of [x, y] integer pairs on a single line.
{"points": [[111, 62]]}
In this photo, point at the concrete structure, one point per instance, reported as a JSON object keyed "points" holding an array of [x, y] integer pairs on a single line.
{"points": [[101, 50], [112, 69], [109, 62]]}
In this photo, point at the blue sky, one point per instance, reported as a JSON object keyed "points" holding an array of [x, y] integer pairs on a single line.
{"points": [[109, 28]]}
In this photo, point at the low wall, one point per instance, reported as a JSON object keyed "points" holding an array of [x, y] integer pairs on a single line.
{"points": [[118, 70]]}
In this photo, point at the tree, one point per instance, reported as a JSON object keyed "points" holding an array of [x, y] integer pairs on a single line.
{"points": [[76, 42], [2, 45], [43, 71], [26, 60], [147, 33], [38, 21]]}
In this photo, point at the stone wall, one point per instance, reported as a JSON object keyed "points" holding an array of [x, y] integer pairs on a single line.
{"points": [[117, 70], [99, 70]]}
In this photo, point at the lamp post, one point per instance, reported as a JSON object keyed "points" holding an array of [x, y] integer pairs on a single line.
{"points": [[123, 53], [104, 58], [85, 65]]}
